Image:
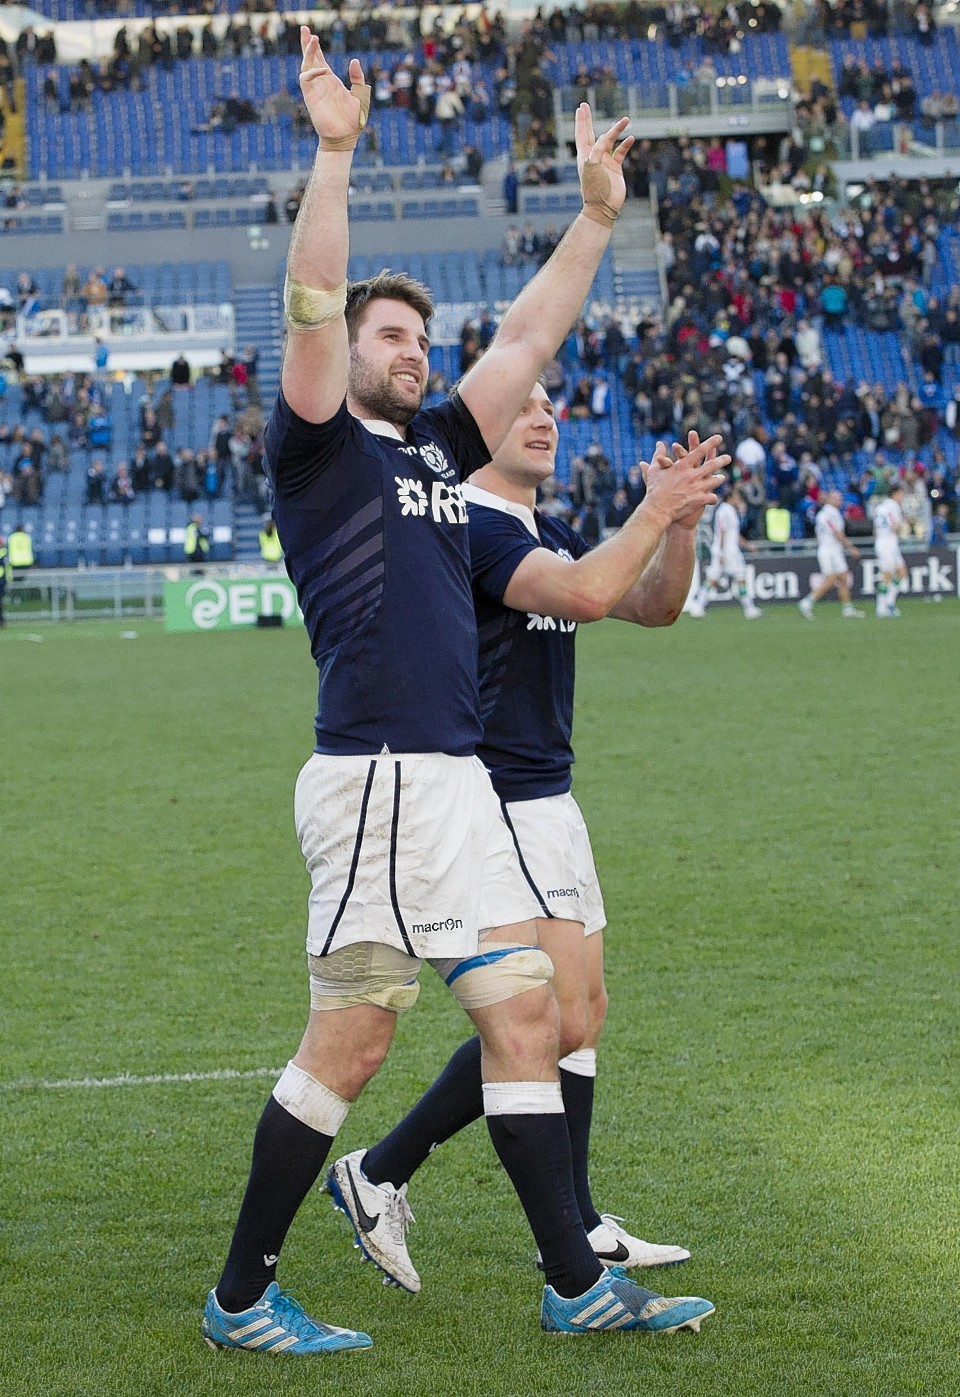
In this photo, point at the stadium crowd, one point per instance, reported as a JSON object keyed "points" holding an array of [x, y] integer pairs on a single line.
{"points": [[67, 418]]}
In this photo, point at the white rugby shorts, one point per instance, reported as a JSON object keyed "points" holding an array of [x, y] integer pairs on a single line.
{"points": [[408, 850], [889, 557], [557, 860], [728, 563], [831, 559]]}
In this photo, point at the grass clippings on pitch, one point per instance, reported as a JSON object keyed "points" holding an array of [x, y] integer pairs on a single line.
{"points": [[773, 808]]}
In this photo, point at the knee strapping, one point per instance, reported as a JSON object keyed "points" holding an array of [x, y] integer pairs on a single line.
{"points": [[500, 973], [364, 974]]}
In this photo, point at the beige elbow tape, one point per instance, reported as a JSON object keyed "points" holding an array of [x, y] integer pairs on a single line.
{"points": [[307, 309]]}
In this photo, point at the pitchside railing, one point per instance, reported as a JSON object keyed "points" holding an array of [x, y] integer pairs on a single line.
{"points": [[236, 594]]}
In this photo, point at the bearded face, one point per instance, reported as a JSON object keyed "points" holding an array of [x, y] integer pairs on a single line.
{"points": [[389, 363], [388, 391]]}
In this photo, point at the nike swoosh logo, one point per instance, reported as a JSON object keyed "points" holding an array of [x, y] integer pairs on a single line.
{"points": [[620, 1254], [364, 1221], [271, 1260]]}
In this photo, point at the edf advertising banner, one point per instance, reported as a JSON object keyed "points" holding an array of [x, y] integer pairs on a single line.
{"points": [[224, 603]]}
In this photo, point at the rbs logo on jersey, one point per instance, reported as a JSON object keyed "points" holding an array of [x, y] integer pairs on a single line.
{"points": [[536, 622], [446, 503]]}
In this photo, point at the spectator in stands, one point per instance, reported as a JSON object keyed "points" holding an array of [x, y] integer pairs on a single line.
{"points": [[77, 432], [180, 371], [96, 481], [58, 458], [251, 366], [634, 487], [617, 511], [95, 291], [151, 432], [209, 473], [71, 291], [241, 453], [101, 355], [140, 469], [28, 294], [162, 468], [600, 398], [588, 524], [187, 474], [511, 187], [120, 287], [510, 247], [473, 164], [13, 359], [121, 487], [25, 471]]}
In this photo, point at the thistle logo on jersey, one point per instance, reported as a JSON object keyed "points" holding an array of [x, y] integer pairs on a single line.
{"points": [[447, 505], [433, 457]]}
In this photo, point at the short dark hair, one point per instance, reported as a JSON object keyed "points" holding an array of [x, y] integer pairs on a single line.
{"points": [[389, 286]]}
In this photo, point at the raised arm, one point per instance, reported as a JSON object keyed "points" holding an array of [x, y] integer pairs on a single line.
{"points": [[537, 323], [598, 584], [314, 374]]}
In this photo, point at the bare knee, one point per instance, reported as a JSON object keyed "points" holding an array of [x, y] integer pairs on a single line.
{"points": [[573, 1027], [345, 1048], [521, 1037], [596, 1012]]}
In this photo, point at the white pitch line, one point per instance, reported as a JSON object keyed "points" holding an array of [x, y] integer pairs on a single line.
{"points": [[127, 1079]]}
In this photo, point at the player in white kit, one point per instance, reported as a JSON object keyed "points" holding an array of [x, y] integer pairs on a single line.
{"points": [[726, 558], [832, 552], [887, 525]]}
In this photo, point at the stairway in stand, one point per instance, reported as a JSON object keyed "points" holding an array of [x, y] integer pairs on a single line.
{"points": [[259, 321]]}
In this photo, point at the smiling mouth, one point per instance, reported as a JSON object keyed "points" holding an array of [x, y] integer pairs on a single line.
{"points": [[408, 378]]}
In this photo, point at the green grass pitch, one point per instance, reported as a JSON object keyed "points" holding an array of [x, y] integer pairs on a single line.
{"points": [[774, 812]]}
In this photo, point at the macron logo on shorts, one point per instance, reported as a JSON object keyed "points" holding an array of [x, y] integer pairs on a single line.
{"points": [[563, 892]]}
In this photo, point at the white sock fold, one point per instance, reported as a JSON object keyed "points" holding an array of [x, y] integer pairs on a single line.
{"points": [[310, 1101], [522, 1099], [582, 1063]]}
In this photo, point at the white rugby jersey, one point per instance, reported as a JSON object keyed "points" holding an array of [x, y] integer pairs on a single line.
{"points": [[829, 524], [887, 519], [726, 527]]}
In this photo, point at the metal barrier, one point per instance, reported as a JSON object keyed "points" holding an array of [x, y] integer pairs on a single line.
{"points": [[91, 594]]}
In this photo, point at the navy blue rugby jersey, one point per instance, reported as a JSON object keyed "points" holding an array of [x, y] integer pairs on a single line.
{"points": [[374, 534], [527, 662]]}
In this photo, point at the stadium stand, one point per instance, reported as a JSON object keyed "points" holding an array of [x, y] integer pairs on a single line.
{"points": [[180, 157]]}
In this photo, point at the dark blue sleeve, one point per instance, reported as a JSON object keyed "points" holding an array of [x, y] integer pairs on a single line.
{"points": [[454, 423], [498, 545], [296, 452]]}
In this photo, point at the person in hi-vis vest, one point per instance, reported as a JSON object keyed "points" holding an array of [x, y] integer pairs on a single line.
{"points": [[196, 541], [20, 550], [271, 549]]}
